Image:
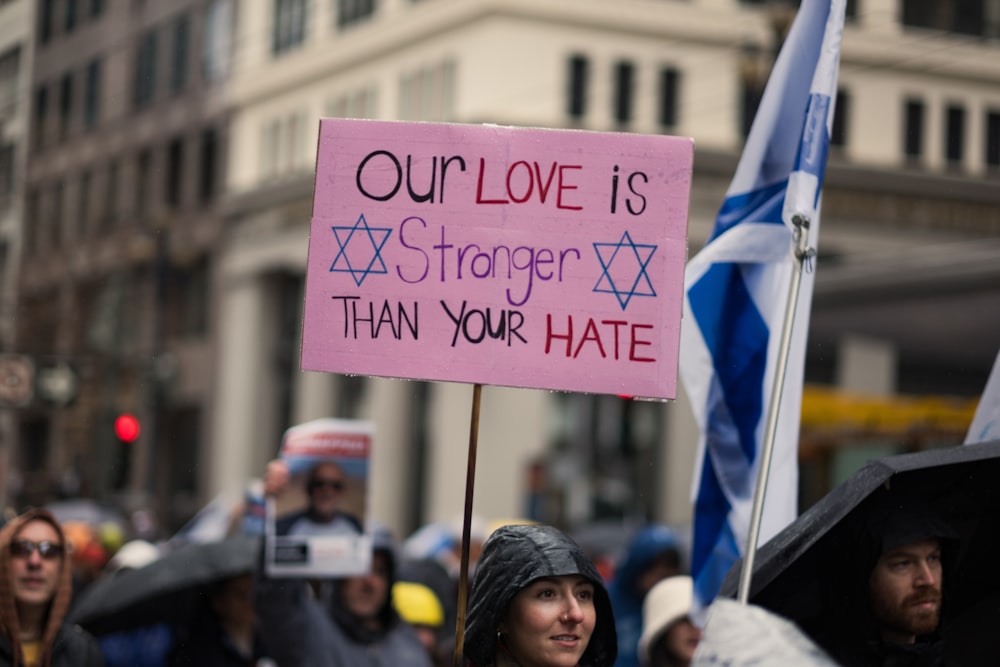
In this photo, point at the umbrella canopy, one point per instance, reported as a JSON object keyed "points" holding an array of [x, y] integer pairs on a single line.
{"points": [[167, 590], [796, 572]]}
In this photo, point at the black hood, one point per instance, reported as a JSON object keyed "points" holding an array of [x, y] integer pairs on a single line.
{"points": [[512, 558], [885, 521]]}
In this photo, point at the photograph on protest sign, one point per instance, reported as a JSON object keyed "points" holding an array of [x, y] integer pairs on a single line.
{"points": [[316, 527], [522, 257]]}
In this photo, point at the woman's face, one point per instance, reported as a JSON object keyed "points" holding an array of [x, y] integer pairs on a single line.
{"points": [[682, 639], [550, 621]]}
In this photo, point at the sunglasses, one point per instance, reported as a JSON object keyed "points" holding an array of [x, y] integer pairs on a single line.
{"points": [[47, 550], [334, 484]]}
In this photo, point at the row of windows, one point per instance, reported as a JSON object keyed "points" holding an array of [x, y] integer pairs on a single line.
{"points": [[967, 17], [668, 90], [361, 103], [89, 80], [425, 94], [92, 203], [147, 86], [291, 19], [64, 16], [283, 146], [172, 40], [624, 92], [954, 134], [428, 93]]}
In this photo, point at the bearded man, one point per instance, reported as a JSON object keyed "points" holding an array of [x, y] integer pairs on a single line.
{"points": [[905, 591], [889, 592]]}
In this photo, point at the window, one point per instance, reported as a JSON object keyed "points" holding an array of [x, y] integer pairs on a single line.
{"points": [[283, 145], [353, 11], [45, 10], [838, 134], [41, 115], [289, 25], [187, 300], [209, 165], [426, 94], [752, 92], [144, 86], [175, 169], [56, 221], [218, 42], [183, 429], [753, 69], [669, 82], [954, 135], [576, 94], [294, 149], [72, 13], [179, 71], [65, 104], [92, 95], [967, 17], [364, 101], [7, 154], [83, 211], [10, 81], [269, 148], [144, 165], [624, 85], [33, 203], [913, 130], [110, 216], [96, 8], [993, 140]]}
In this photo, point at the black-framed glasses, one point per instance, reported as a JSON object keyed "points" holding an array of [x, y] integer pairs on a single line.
{"points": [[334, 484], [46, 549]]}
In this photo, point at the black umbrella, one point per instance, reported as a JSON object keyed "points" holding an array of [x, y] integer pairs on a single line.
{"points": [[167, 590], [796, 570]]}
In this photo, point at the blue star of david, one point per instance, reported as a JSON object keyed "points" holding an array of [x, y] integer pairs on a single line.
{"points": [[620, 254], [342, 262]]}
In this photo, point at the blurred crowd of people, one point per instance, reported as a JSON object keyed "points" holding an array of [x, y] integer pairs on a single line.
{"points": [[74, 595], [402, 612], [93, 591]]}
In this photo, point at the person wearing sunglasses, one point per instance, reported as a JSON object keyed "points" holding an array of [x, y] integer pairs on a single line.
{"points": [[35, 594], [326, 486]]}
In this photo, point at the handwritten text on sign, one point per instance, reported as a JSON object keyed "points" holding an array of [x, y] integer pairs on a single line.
{"points": [[551, 259]]}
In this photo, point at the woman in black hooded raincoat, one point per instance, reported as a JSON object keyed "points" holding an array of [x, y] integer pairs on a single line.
{"points": [[513, 559]]}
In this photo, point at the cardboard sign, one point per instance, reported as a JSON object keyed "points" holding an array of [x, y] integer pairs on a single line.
{"points": [[328, 460], [550, 259]]}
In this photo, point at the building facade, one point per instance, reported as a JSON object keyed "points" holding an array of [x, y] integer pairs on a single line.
{"points": [[16, 370], [906, 287], [127, 143]]}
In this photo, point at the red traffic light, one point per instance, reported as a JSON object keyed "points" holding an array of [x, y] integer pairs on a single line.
{"points": [[127, 428]]}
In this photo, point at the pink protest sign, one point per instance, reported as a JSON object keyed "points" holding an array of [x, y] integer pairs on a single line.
{"points": [[551, 259]]}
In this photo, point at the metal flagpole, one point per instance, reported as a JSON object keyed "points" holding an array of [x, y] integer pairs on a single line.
{"points": [[803, 255]]}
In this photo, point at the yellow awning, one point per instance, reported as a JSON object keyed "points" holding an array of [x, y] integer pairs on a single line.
{"points": [[827, 408]]}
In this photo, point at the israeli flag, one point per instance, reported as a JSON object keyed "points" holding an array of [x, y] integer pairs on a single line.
{"points": [[735, 294]]}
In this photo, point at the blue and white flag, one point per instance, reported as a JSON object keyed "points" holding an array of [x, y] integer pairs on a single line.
{"points": [[736, 291], [986, 422]]}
